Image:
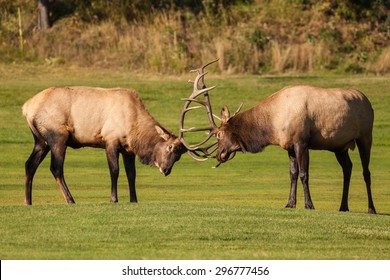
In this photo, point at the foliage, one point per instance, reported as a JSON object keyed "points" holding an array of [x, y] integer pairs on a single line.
{"points": [[165, 36]]}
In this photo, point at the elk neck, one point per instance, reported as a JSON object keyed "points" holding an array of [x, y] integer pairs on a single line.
{"points": [[145, 140], [253, 128]]}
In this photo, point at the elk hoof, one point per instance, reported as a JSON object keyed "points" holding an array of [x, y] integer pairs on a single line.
{"points": [[344, 209], [309, 206], [371, 211], [289, 205], [27, 203]]}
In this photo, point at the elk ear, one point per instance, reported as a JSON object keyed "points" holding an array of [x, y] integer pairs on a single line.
{"points": [[225, 115], [162, 133]]}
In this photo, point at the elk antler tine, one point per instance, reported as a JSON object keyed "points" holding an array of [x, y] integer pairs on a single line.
{"points": [[196, 151], [196, 157], [199, 77], [195, 100], [213, 150], [186, 129], [204, 141], [192, 108], [233, 155], [199, 92], [211, 62], [218, 118], [239, 108], [212, 145], [201, 69], [193, 129]]}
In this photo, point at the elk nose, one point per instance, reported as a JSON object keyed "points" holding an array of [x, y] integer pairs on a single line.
{"points": [[223, 156], [165, 171]]}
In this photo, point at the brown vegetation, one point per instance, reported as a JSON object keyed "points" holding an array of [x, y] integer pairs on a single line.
{"points": [[258, 36]]}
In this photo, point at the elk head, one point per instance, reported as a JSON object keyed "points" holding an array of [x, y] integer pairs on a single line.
{"points": [[228, 140], [167, 151], [225, 145]]}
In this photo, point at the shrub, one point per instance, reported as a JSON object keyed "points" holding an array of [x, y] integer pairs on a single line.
{"points": [[165, 36]]}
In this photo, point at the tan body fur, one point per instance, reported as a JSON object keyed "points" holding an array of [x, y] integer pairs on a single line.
{"points": [[113, 119], [92, 116], [299, 118], [330, 119]]}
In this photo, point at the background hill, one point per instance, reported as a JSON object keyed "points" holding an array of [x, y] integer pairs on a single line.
{"points": [[168, 36]]}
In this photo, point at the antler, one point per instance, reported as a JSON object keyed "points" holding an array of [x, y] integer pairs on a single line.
{"points": [[195, 150]]}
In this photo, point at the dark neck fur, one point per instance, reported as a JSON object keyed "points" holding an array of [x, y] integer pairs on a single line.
{"points": [[145, 141], [253, 129]]}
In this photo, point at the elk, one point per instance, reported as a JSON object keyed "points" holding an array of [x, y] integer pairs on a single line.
{"points": [[297, 118], [112, 119]]}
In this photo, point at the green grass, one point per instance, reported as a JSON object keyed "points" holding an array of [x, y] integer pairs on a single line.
{"points": [[233, 212], [190, 231]]}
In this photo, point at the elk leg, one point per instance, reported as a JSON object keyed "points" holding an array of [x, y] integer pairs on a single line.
{"points": [[292, 200], [302, 153], [129, 162], [346, 165], [58, 150], [38, 154], [364, 146], [112, 154]]}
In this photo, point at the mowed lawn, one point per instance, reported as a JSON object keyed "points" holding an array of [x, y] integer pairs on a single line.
{"points": [[235, 211]]}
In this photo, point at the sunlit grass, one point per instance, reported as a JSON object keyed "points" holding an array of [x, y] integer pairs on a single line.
{"points": [[235, 211]]}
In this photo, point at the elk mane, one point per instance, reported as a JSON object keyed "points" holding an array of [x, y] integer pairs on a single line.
{"points": [[247, 132], [145, 141]]}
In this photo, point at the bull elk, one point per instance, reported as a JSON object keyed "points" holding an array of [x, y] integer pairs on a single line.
{"points": [[113, 119], [297, 118]]}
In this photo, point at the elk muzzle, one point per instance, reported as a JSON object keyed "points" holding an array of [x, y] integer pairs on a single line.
{"points": [[224, 155], [163, 170]]}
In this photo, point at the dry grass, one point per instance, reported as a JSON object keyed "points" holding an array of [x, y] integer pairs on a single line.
{"points": [[382, 64], [267, 37], [280, 55]]}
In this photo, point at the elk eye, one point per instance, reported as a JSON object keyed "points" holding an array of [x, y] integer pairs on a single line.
{"points": [[170, 148]]}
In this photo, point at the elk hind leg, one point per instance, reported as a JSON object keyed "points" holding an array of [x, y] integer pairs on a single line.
{"points": [[302, 153], [58, 149], [346, 164], [294, 172], [38, 154], [129, 162], [364, 146]]}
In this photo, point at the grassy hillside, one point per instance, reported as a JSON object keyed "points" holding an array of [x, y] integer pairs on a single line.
{"points": [[233, 212], [253, 36]]}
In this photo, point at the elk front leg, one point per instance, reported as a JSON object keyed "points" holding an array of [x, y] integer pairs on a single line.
{"points": [[112, 153], [38, 154], [129, 162], [292, 200], [302, 153]]}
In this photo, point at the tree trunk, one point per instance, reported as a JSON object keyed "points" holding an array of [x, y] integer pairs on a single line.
{"points": [[43, 14]]}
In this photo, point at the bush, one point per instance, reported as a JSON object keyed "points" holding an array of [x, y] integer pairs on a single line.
{"points": [[168, 36]]}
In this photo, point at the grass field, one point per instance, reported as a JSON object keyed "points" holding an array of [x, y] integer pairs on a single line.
{"points": [[233, 212]]}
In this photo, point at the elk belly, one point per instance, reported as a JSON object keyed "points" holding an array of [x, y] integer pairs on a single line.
{"points": [[331, 141]]}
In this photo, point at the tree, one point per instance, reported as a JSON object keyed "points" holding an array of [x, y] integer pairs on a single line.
{"points": [[43, 14]]}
